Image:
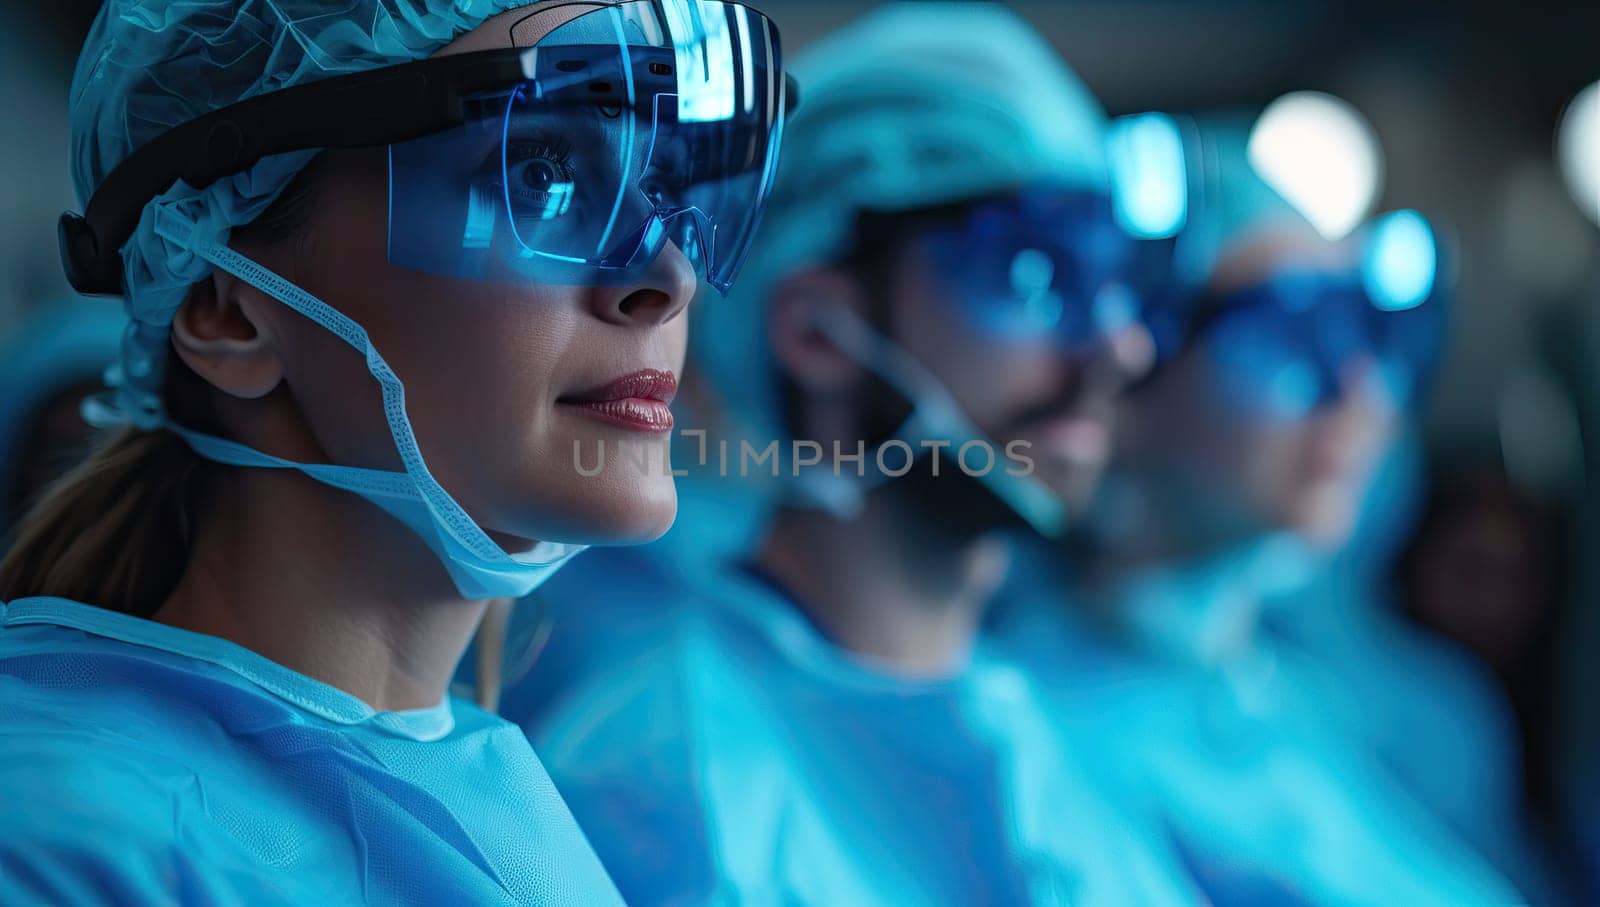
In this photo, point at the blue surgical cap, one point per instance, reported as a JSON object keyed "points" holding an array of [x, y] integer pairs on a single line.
{"points": [[914, 105], [1230, 202], [150, 65]]}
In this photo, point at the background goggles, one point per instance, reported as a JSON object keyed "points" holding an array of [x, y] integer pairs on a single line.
{"points": [[1044, 262], [1286, 347]]}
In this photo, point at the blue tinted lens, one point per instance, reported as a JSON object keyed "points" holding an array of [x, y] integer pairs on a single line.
{"points": [[639, 124], [1285, 347], [1264, 368], [1042, 263]]}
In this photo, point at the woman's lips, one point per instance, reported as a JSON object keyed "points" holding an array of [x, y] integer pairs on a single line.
{"points": [[639, 401], [633, 413]]}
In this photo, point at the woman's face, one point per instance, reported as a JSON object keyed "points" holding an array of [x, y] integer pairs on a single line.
{"points": [[502, 378], [496, 375]]}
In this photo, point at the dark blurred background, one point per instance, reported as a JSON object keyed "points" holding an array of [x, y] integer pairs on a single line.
{"points": [[1465, 99]]}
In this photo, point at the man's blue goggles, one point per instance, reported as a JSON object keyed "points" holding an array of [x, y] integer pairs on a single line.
{"points": [[1041, 263]]}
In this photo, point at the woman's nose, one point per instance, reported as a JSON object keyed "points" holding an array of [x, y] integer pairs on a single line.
{"points": [[654, 297]]}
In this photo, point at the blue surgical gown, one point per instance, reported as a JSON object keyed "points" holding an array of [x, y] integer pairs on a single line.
{"points": [[1428, 713], [144, 764], [722, 751], [1244, 749]]}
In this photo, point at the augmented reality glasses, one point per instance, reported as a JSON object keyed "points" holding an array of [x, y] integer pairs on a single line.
{"points": [[573, 160]]}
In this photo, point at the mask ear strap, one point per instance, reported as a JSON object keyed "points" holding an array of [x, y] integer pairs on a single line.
{"points": [[447, 515], [936, 418], [888, 360]]}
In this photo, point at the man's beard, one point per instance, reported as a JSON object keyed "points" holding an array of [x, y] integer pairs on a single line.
{"points": [[957, 509], [953, 508]]}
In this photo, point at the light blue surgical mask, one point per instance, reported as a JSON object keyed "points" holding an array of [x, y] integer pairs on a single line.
{"points": [[936, 419], [479, 567]]}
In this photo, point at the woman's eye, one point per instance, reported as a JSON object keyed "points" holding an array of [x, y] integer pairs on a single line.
{"points": [[540, 174]]}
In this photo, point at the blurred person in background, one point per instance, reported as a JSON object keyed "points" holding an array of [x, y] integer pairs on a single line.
{"points": [[814, 720], [48, 366], [1239, 470], [1488, 568], [1425, 706]]}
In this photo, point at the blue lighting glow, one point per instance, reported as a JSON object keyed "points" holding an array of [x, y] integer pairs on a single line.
{"points": [[1148, 179], [1401, 261]]}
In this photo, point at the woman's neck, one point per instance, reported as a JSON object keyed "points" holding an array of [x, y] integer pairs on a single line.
{"points": [[902, 598], [326, 584]]}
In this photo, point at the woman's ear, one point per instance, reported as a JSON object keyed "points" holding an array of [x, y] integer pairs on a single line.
{"points": [[222, 335], [801, 347]]}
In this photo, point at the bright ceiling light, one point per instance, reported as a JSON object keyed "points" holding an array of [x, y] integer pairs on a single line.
{"points": [[1150, 184], [1578, 150], [1322, 156]]}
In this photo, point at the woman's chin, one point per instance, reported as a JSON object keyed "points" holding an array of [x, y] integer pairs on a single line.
{"points": [[604, 513], [636, 526]]}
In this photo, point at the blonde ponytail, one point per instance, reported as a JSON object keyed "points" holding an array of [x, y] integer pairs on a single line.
{"points": [[116, 530]]}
